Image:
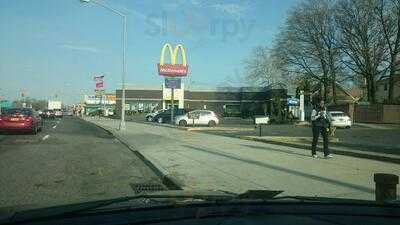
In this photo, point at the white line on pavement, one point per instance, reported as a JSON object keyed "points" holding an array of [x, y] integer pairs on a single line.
{"points": [[45, 137]]}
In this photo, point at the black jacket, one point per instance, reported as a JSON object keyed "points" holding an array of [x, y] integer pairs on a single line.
{"points": [[320, 118]]}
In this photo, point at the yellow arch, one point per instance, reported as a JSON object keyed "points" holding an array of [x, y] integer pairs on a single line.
{"points": [[173, 53], [183, 54]]}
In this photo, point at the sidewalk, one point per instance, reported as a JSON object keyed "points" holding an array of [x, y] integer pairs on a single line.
{"points": [[335, 146], [200, 161], [361, 138]]}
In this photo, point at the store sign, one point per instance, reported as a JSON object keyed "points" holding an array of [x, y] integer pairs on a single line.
{"points": [[172, 82], [5, 103], [99, 85], [99, 92], [173, 69], [99, 81], [110, 97], [91, 99]]}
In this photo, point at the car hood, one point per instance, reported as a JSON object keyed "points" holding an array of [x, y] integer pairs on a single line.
{"points": [[171, 198]]}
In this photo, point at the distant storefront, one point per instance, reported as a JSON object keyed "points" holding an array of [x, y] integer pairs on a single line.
{"points": [[227, 101], [93, 102]]}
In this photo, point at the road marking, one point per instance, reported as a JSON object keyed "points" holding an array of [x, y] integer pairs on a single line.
{"points": [[45, 137], [54, 127]]}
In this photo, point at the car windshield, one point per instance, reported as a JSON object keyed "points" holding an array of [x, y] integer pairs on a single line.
{"points": [[299, 96], [338, 114], [16, 111]]}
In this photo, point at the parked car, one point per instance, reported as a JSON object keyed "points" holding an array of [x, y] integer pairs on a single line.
{"points": [[49, 114], [97, 112], [20, 119], [58, 113], [67, 113], [198, 117], [340, 119], [165, 116], [149, 116]]}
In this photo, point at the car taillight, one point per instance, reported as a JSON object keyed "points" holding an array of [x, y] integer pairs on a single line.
{"points": [[28, 119]]}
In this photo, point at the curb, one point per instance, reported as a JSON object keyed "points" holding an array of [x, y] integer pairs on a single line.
{"points": [[218, 129], [169, 181], [334, 150], [161, 124]]}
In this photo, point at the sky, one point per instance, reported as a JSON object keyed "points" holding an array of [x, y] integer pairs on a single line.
{"points": [[53, 48]]}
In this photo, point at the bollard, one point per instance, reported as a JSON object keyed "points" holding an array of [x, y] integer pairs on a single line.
{"points": [[385, 187], [259, 134]]}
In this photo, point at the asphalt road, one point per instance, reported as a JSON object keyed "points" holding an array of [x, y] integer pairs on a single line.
{"points": [[70, 161]]}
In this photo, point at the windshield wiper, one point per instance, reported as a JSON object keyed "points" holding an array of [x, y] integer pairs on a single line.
{"points": [[70, 209]]}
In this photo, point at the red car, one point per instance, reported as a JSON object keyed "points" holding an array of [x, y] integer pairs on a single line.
{"points": [[20, 119]]}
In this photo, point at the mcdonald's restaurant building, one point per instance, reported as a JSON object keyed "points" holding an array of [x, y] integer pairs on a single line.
{"points": [[226, 101]]}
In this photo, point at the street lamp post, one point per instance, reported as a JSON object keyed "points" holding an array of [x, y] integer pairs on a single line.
{"points": [[124, 44], [0, 100]]}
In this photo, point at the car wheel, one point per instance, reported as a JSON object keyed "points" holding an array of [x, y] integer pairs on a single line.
{"points": [[182, 123], [348, 127], [160, 120], [149, 118], [212, 123]]}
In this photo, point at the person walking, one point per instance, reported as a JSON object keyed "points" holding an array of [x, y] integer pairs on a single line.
{"points": [[321, 122]]}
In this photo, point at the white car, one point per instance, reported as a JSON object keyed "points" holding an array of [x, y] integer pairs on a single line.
{"points": [[340, 119], [58, 113], [198, 117]]}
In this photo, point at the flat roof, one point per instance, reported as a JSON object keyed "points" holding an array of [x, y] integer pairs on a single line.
{"points": [[205, 89]]}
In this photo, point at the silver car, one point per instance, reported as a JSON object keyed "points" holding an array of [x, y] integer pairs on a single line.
{"points": [[198, 117]]}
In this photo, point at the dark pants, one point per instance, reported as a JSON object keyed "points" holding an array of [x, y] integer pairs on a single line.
{"points": [[324, 133]]}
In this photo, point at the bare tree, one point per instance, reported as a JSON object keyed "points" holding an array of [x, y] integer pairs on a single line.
{"points": [[361, 40], [262, 68], [307, 45], [388, 12]]}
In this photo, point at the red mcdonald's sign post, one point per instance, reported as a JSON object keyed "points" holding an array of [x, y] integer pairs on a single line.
{"points": [[173, 69]]}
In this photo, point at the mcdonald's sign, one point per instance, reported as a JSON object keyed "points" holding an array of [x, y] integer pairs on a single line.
{"points": [[173, 69]]}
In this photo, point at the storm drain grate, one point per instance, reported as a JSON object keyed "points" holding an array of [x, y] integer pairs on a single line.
{"points": [[140, 188]]}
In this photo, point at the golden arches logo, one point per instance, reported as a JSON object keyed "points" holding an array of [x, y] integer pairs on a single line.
{"points": [[172, 69]]}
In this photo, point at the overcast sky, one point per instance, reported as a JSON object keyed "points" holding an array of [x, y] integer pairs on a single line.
{"points": [[50, 47]]}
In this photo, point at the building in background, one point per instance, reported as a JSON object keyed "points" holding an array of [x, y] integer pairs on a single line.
{"points": [[227, 101], [93, 103], [382, 89]]}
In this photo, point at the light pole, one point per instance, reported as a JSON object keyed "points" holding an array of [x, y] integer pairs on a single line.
{"points": [[124, 43], [0, 99]]}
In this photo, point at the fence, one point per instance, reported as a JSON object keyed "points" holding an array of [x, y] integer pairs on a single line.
{"points": [[373, 113]]}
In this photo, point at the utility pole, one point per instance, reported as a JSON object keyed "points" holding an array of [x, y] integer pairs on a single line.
{"points": [[122, 125], [172, 106], [302, 113]]}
